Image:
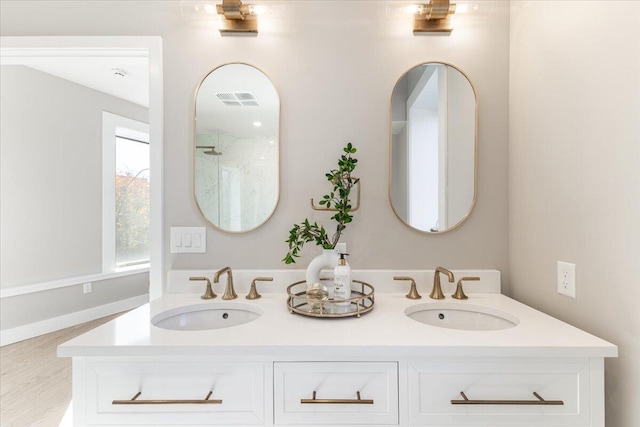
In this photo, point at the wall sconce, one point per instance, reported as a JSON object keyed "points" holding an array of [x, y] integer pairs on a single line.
{"points": [[434, 17], [233, 16], [236, 17]]}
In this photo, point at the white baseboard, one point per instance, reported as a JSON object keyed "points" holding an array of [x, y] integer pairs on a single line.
{"points": [[13, 335]]}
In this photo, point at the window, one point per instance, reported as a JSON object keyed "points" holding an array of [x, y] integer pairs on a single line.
{"points": [[126, 193], [132, 202]]}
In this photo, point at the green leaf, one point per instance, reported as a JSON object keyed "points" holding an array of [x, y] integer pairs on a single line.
{"points": [[339, 199]]}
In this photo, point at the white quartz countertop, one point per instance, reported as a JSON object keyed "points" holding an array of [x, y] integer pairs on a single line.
{"points": [[384, 332]]}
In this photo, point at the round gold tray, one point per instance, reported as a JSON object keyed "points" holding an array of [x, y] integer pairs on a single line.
{"points": [[361, 301]]}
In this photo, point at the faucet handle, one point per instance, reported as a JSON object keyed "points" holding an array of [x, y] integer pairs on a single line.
{"points": [[459, 293], [413, 291], [208, 293], [253, 293]]}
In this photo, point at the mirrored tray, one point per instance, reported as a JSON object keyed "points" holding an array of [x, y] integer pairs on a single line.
{"points": [[361, 301]]}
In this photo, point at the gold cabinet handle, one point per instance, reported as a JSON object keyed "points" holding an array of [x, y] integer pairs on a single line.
{"points": [[540, 401], [356, 401], [134, 401]]}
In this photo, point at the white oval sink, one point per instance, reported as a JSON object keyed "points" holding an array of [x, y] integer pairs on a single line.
{"points": [[461, 316], [206, 316]]}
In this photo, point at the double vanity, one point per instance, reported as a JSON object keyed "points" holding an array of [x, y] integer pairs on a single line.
{"points": [[487, 360]]}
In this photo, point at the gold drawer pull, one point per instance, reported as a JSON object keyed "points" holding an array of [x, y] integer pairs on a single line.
{"points": [[357, 401], [134, 401], [540, 401]]}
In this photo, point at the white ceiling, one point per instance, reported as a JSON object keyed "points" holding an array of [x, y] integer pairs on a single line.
{"points": [[91, 68]]}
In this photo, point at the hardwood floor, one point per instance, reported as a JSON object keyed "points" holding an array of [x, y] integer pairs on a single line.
{"points": [[35, 384]]}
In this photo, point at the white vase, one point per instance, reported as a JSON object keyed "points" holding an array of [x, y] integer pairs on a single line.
{"points": [[327, 259]]}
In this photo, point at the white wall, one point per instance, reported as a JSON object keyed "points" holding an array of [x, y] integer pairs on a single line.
{"points": [[51, 198], [51, 153], [574, 175]]}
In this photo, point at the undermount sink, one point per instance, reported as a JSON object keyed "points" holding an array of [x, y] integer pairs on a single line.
{"points": [[461, 316], [206, 316]]}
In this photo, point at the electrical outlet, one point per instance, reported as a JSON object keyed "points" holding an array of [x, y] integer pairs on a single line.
{"points": [[86, 288], [567, 279], [341, 248]]}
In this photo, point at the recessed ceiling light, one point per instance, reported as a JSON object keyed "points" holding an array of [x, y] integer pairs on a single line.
{"points": [[257, 124]]}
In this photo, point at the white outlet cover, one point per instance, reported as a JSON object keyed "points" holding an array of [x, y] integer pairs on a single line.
{"points": [[567, 279]]}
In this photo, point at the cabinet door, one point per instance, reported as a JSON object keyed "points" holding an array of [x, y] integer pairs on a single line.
{"points": [[345, 393], [237, 390], [499, 393]]}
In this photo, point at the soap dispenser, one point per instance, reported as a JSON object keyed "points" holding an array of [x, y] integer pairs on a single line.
{"points": [[342, 281]]}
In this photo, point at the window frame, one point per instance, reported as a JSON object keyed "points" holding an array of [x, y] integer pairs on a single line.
{"points": [[114, 125]]}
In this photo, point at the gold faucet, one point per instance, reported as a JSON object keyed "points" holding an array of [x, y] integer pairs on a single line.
{"points": [[208, 293], [229, 292], [436, 293]]}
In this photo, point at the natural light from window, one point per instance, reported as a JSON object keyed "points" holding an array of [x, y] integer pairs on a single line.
{"points": [[132, 201]]}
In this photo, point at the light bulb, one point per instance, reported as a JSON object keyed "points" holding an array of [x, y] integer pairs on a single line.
{"points": [[258, 10], [413, 9]]}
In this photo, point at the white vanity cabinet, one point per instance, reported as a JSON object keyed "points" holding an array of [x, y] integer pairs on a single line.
{"points": [[336, 393], [505, 392], [383, 369], [402, 392], [130, 391]]}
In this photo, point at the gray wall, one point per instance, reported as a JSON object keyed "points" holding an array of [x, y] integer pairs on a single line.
{"points": [[574, 180], [51, 154], [51, 203], [25, 309], [334, 65]]}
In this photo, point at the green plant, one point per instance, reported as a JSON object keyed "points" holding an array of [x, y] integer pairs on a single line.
{"points": [[338, 199]]}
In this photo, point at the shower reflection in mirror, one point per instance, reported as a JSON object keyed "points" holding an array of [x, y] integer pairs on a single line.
{"points": [[432, 183], [236, 148]]}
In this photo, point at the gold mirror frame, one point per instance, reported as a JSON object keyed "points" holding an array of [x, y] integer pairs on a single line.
{"points": [[195, 143], [475, 147]]}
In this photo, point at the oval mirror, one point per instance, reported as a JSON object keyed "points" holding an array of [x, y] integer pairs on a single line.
{"points": [[237, 164], [432, 180]]}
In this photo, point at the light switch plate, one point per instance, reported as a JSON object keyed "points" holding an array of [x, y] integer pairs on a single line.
{"points": [[188, 240]]}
